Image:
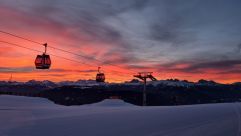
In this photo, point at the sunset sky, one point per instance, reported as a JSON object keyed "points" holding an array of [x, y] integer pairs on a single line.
{"points": [[184, 39]]}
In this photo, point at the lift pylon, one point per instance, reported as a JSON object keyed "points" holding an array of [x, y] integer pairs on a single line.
{"points": [[144, 76]]}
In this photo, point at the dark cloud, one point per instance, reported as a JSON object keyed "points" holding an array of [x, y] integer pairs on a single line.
{"points": [[88, 20], [68, 70], [45, 8], [171, 25], [16, 69], [118, 56], [223, 64], [170, 33], [28, 69], [139, 67], [237, 71], [195, 67], [93, 26], [119, 60], [239, 48], [54, 75], [139, 4]]}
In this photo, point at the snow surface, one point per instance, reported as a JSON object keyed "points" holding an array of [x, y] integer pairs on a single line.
{"points": [[25, 116], [171, 83], [112, 103]]}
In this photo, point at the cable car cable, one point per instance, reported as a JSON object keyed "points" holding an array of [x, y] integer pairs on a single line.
{"points": [[41, 52], [20, 37], [55, 55], [87, 57], [27, 39]]}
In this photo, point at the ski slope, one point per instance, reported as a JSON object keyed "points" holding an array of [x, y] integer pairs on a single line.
{"points": [[25, 116]]}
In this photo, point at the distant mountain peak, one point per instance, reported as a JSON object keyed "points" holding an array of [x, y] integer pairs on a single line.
{"points": [[207, 82]]}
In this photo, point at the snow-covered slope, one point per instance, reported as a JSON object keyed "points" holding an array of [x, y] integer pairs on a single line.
{"points": [[80, 83], [171, 83], [112, 103], [23, 116]]}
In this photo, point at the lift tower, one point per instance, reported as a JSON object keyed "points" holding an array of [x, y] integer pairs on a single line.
{"points": [[144, 76], [10, 79]]}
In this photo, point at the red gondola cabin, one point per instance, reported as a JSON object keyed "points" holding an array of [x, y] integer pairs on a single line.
{"points": [[43, 61], [100, 77]]}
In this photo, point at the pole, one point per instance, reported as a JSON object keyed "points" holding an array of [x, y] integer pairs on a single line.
{"points": [[144, 93], [45, 48], [143, 76]]}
